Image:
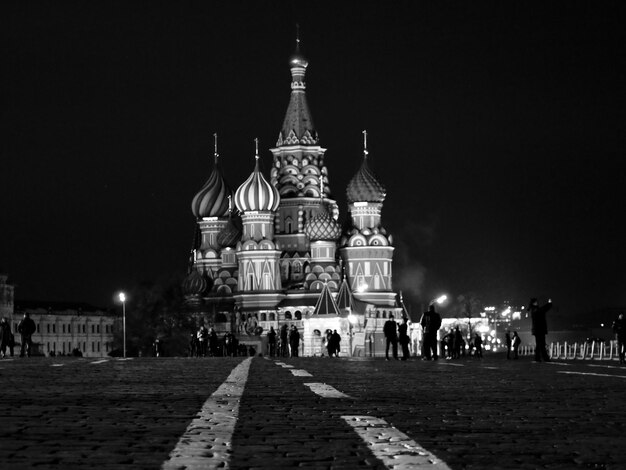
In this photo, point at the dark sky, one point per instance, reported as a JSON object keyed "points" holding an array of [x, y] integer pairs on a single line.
{"points": [[497, 128]]}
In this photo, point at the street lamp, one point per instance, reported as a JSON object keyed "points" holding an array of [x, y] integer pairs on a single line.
{"points": [[439, 300], [122, 298]]}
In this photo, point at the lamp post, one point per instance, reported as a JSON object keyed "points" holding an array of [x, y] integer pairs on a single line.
{"points": [[122, 298], [352, 320]]}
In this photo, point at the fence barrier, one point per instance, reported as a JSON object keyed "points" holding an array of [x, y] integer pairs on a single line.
{"points": [[595, 350]]}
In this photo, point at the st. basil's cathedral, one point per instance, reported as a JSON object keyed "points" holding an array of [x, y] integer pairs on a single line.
{"points": [[272, 253]]}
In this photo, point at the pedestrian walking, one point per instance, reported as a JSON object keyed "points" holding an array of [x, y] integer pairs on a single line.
{"points": [[507, 340], [516, 340], [403, 338], [26, 328], [5, 336], [457, 343], [294, 341], [271, 341], [619, 328], [390, 329], [539, 328], [431, 322], [478, 346]]}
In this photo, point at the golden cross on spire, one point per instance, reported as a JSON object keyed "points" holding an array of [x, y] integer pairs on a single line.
{"points": [[230, 204], [365, 152], [297, 36], [256, 148]]}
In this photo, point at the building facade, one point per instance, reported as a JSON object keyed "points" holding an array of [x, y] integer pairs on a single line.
{"points": [[62, 327], [266, 253]]}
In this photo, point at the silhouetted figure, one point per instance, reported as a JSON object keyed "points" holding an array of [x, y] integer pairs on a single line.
{"points": [[335, 344], [284, 341], [193, 345], [26, 328], [431, 322], [619, 328], [403, 338], [507, 340], [478, 346], [390, 329], [457, 343], [329, 343], [294, 341], [158, 348], [5, 336], [516, 340], [539, 328], [203, 340], [271, 341], [213, 342]]}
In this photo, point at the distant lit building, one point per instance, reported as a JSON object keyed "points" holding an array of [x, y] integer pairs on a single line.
{"points": [[265, 254]]}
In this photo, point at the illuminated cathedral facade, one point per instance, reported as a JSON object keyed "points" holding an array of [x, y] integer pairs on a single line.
{"points": [[272, 252]]}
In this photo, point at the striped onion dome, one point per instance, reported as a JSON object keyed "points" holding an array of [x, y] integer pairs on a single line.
{"points": [[364, 187], [322, 226], [195, 283], [256, 194], [212, 199]]}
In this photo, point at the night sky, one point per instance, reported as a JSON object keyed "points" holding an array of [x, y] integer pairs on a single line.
{"points": [[497, 128]]}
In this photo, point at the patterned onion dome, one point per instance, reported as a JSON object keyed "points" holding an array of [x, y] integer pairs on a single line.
{"points": [[230, 234], [322, 226], [364, 187], [212, 199], [195, 283], [256, 194]]}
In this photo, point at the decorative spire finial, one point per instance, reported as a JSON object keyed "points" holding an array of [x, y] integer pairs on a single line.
{"points": [[365, 152], [230, 204], [297, 37], [215, 154], [321, 188], [256, 148]]}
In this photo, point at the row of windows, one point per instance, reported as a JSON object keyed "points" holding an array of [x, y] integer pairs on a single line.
{"points": [[67, 347], [67, 328]]}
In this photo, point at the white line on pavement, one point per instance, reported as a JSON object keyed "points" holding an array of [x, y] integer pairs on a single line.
{"points": [[451, 364], [206, 443], [326, 391], [283, 365], [491, 367], [57, 365], [300, 373], [590, 373], [606, 367], [100, 361], [558, 363], [393, 448]]}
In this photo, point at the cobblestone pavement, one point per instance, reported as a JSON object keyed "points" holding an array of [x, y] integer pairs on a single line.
{"points": [[472, 414]]}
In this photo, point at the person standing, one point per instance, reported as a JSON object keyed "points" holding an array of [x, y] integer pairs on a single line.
{"points": [[26, 328], [284, 340], [5, 336], [335, 339], [271, 341], [507, 340], [539, 328], [403, 338], [213, 340], [478, 346], [294, 341], [431, 322], [390, 329], [619, 328], [516, 340]]}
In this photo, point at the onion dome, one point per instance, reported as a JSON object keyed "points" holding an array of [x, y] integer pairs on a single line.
{"points": [[364, 187], [195, 284], [212, 199], [322, 226], [256, 193], [230, 234]]}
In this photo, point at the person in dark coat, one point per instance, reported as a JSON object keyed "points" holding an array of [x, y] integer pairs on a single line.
{"points": [[284, 341], [271, 341], [539, 328], [516, 340], [431, 322], [457, 343], [619, 328], [5, 336], [403, 338], [478, 346], [213, 341], [507, 340], [390, 329], [335, 340], [26, 329], [294, 341]]}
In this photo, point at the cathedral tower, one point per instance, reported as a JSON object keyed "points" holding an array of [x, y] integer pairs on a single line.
{"points": [[366, 247]]}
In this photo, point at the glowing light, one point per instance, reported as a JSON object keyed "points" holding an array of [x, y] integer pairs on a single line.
{"points": [[122, 297], [483, 329], [352, 319], [362, 288], [441, 299]]}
